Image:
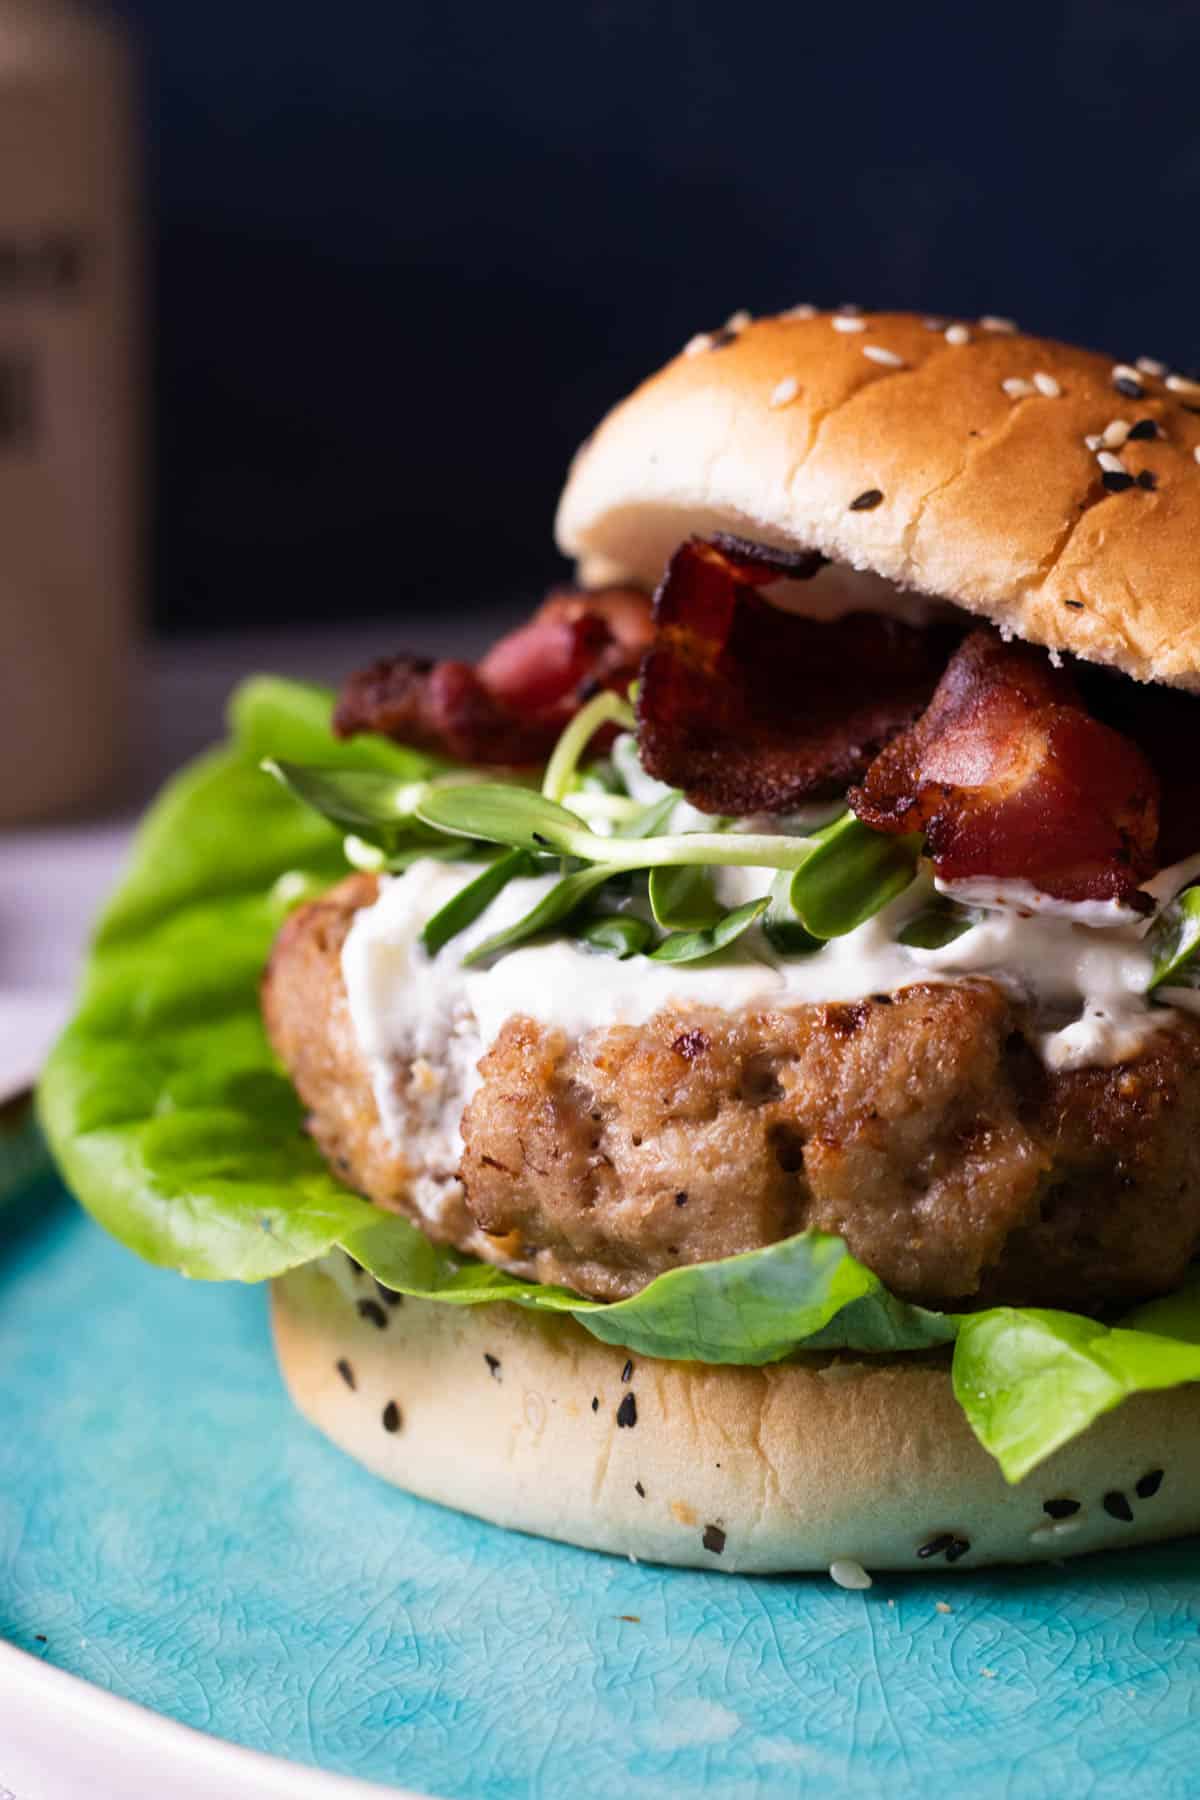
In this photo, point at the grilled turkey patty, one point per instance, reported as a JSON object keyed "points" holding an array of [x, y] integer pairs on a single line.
{"points": [[921, 1126]]}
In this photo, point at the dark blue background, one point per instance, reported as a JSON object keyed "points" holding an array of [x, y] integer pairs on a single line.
{"points": [[405, 254]]}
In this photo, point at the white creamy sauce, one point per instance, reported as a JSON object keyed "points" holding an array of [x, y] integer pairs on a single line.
{"points": [[1023, 897], [424, 1022]]}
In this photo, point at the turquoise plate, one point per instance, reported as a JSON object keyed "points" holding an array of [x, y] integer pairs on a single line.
{"points": [[173, 1533]]}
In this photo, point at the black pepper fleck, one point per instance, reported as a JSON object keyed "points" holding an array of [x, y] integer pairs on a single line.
{"points": [[595, 1403], [1075, 605], [958, 1548], [371, 1309], [1116, 480], [1147, 479], [681, 1199], [627, 1371], [1117, 1506], [40, 1637], [1149, 1485], [493, 1363], [1132, 390], [713, 1539], [1060, 1509], [391, 1416], [639, 1490], [867, 501], [1144, 430], [627, 1411], [346, 1373]]}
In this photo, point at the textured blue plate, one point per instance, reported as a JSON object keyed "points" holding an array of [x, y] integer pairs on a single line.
{"points": [[178, 1536]]}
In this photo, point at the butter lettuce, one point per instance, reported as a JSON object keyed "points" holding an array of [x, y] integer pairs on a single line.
{"points": [[175, 1126]]}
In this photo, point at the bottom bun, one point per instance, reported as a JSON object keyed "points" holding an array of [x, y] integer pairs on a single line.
{"points": [[530, 1422]]}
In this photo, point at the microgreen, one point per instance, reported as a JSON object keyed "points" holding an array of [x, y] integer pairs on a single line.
{"points": [[463, 908], [851, 875], [554, 908], [605, 709], [620, 934], [692, 946], [937, 925], [1174, 940], [781, 928], [683, 898]]}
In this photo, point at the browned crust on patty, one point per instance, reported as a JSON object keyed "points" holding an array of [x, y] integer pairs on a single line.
{"points": [[920, 1126]]}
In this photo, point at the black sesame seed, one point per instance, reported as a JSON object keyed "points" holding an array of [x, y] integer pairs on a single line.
{"points": [[627, 1411], [1075, 605], [386, 1294], [1060, 1509], [957, 1549], [40, 1637], [391, 1416], [936, 1546], [1149, 1485], [1117, 1506], [713, 1539], [867, 501], [681, 1199], [639, 1490], [346, 1373], [1132, 390], [493, 1363], [1147, 479], [1144, 429], [371, 1309], [627, 1371], [595, 1403], [1116, 480]]}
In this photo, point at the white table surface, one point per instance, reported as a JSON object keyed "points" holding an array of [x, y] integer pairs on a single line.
{"points": [[54, 877]]}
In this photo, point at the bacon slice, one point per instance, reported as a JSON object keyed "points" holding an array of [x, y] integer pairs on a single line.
{"points": [[510, 707], [1010, 777], [751, 709]]}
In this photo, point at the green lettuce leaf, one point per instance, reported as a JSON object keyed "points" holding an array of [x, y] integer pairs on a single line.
{"points": [[175, 1126]]}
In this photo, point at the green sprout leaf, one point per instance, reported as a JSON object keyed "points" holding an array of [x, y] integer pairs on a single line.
{"points": [[605, 709], [620, 934], [565, 898], [692, 946], [852, 874], [463, 908], [781, 928], [1174, 940], [500, 814], [359, 799], [937, 925], [683, 898]]}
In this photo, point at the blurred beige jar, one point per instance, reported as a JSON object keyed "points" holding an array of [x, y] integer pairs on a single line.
{"points": [[69, 407]]}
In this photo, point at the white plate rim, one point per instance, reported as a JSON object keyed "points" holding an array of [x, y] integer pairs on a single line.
{"points": [[52, 1701]]}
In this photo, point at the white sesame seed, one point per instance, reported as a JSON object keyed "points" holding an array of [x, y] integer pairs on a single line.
{"points": [[737, 321], [848, 1573], [1115, 434], [1017, 388], [878, 354], [990, 322], [957, 334], [1123, 372], [848, 322], [1149, 365], [1112, 465], [784, 391], [1196, 453], [803, 311], [1046, 384], [1094, 441], [988, 1674], [701, 341], [942, 1606], [1181, 384]]}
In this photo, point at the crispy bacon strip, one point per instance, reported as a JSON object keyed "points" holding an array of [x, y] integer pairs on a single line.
{"points": [[510, 707], [751, 709], [1009, 776]]}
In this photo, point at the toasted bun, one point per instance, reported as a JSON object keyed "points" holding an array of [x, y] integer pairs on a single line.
{"points": [[533, 1424], [993, 501]]}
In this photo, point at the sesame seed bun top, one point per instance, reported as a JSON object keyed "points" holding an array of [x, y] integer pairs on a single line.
{"points": [[1049, 489]]}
